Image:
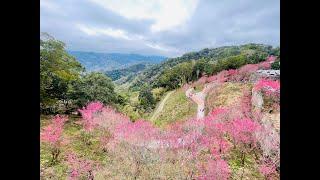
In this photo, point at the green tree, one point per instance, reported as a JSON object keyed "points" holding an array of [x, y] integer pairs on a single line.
{"points": [[175, 77], [57, 70], [146, 99], [257, 57], [232, 62], [94, 86], [276, 64], [275, 51], [198, 68]]}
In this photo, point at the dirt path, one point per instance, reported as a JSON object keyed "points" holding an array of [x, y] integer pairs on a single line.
{"points": [[160, 107], [200, 97]]}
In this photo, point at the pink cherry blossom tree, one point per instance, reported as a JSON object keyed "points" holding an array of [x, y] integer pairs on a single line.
{"points": [[242, 132], [52, 135], [89, 120]]}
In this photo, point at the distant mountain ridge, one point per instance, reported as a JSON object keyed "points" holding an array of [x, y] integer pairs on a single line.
{"points": [[94, 61]]}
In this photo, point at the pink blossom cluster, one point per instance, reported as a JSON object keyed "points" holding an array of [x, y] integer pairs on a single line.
{"points": [[215, 169], [241, 74], [87, 114], [52, 133], [271, 58], [186, 86], [269, 86], [215, 134], [203, 79], [138, 132], [267, 170], [109, 119], [242, 130], [79, 167], [245, 104], [267, 63]]}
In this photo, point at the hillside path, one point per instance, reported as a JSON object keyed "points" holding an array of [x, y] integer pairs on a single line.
{"points": [[200, 97], [160, 107]]}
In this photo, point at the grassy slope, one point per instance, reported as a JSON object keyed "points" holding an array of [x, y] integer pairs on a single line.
{"points": [[160, 106], [177, 107], [224, 95]]}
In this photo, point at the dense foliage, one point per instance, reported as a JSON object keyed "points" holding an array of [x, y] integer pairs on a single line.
{"points": [[206, 62], [57, 71], [94, 86], [276, 64], [131, 70], [64, 84], [146, 99]]}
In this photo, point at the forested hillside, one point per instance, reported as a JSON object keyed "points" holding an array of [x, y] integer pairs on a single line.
{"points": [[131, 70], [209, 61]]}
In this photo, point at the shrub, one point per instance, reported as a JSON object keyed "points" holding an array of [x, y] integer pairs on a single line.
{"points": [[275, 65]]}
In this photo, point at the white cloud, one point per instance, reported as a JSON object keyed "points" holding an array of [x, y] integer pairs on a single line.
{"points": [[115, 33], [166, 14], [161, 47], [166, 27], [122, 34], [49, 5]]}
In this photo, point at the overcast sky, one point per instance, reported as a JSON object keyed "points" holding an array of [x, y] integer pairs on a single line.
{"points": [[160, 27]]}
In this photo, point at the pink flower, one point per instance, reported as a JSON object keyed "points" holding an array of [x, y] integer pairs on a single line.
{"points": [[242, 130], [78, 167], [87, 114], [271, 59], [52, 133], [269, 86], [267, 169], [217, 111], [215, 169]]}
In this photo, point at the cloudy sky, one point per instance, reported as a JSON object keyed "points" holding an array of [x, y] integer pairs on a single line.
{"points": [[160, 27]]}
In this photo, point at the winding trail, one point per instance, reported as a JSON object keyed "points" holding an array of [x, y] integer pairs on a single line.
{"points": [[160, 107], [200, 97]]}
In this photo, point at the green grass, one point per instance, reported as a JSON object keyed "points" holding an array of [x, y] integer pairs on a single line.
{"points": [[224, 95], [249, 170], [177, 107]]}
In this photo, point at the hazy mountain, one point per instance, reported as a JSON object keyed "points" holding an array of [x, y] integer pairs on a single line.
{"points": [[93, 61]]}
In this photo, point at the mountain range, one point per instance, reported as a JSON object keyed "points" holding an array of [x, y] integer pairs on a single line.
{"points": [[94, 61]]}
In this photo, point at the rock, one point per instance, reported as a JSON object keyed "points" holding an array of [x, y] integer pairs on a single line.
{"points": [[273, 74], [257, 100], [268, 74], [75, 113], [273, 118]]}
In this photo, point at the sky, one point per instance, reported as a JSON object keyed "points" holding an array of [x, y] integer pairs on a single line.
{"points": [[160, 27]]}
